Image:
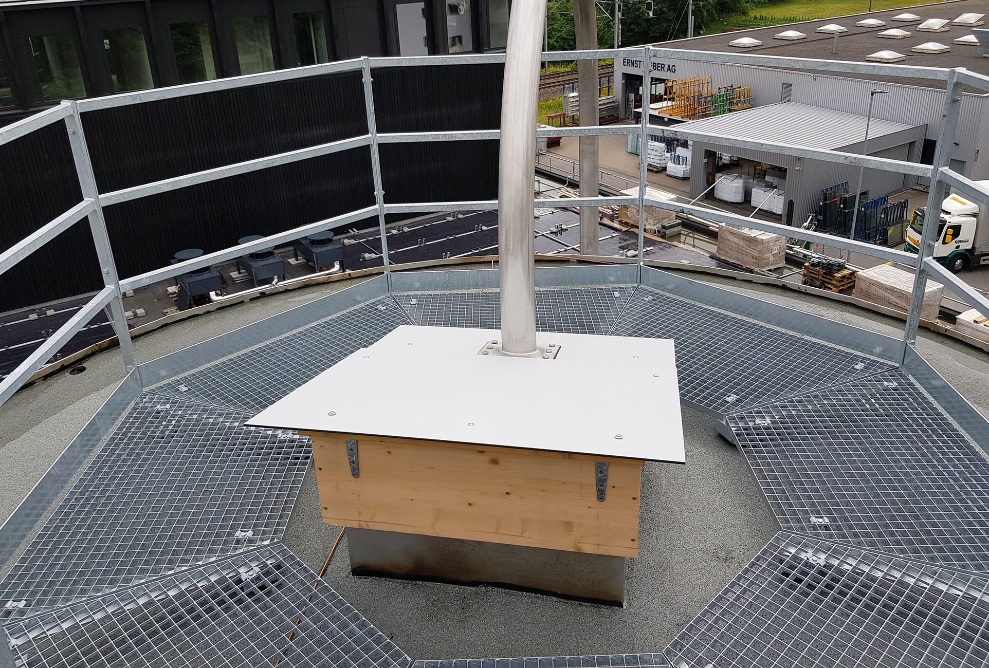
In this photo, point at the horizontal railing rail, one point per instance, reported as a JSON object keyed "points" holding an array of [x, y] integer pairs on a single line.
{"points": [[93, 201]]}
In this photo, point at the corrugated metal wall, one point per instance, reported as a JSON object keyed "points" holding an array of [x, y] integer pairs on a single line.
{"points": [[145, 142], [38, 182]]}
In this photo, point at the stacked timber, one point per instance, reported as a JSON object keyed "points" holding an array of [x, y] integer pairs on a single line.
{"points": [[973, 324], [750, 248], [655, 218], [831, 275], [888, 286]]}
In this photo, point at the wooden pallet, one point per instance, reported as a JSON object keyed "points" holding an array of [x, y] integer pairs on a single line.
{"points": [[838, 281]]}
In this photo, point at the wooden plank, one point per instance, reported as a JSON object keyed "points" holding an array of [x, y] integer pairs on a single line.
{"points": [[501, 495]]}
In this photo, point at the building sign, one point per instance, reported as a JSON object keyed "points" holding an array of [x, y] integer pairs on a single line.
{"points": [[636, 64]]}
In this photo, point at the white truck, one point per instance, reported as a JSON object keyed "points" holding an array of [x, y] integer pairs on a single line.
{"points": [[962, 240]]}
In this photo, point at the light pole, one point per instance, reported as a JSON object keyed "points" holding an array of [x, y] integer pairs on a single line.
{"points": [[865, 147]]}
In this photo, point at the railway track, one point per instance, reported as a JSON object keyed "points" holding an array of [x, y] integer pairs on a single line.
{"points": [[553, 83]]}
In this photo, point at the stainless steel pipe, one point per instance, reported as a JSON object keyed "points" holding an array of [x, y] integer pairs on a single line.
{"points": [[516, 177]]}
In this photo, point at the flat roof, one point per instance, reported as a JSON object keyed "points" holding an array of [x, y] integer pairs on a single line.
{"points": [[858, 42], [787, 123]]}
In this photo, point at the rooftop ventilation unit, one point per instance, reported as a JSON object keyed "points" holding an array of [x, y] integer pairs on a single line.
{"points": [[968, 40], [931, 47], [893, 33], [745, 42], [870, 23], [789, 34], [832, 28], [934, 25], [886, 57], [970, 20], [905, 18]]}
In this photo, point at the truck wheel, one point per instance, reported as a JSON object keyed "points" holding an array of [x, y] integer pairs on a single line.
{"points": [[957, 262]]}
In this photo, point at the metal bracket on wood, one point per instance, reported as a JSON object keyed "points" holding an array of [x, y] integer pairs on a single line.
{"points": [[601, 478], [355, 469]]}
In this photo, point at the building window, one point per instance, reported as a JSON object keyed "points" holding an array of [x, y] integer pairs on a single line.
{"points": [[193, 52], [57, 63], [253, 44], [498, 23], [6, 96], [127, 57], [459, 28], [310, 38]]}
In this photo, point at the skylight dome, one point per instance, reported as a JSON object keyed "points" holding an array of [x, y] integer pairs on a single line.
{"points": [[870, 23], [745, 42], [969, 40], [931, 47], [790, 34], [970, 19], [905, 18], [832, 28], [894, 33], [934, 25], [886, 57]]}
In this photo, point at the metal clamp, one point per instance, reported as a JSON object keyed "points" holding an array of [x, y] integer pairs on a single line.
{"points": [[601, 478], [355, 469]]}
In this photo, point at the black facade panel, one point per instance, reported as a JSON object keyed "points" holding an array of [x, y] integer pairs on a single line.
{"points": [[146, 233], [438, 98], [142, 143], [38, 183], [439, 171]]}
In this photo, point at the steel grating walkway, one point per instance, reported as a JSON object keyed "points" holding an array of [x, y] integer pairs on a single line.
{"points": [[806, 602], [255, 378], [849, 451], [176, 483], [875, 462], [258, 608]]}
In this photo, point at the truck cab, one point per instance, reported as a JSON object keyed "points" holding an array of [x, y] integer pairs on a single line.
{"points": [[955, 244]]}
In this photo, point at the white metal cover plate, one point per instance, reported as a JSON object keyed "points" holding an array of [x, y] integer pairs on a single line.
{"points": [[431, 383]]}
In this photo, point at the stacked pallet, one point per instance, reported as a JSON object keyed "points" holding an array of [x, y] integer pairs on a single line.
{"points": [[831, 275], [888, 286], [973, 324], [656, 218], [657, 157], [750, 248]]}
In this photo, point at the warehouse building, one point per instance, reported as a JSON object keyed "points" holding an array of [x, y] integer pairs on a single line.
{"points": [[51, 50], [820, 109]]}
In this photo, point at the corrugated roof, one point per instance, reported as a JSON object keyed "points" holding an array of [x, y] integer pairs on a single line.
{"points": [[798, 124]]}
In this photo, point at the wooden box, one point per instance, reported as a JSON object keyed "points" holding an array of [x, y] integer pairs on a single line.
{"points": [[891, 287], [973, 324], [655, 217]]}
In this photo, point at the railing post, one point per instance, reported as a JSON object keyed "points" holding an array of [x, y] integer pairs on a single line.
{"points": [[935, 197], [644, 151], [379, 192], [97, 225]]}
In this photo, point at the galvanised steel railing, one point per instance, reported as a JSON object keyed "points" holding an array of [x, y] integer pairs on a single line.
{"points": [[93, 201]]}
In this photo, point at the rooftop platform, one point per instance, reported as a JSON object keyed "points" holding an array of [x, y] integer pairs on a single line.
{"points": [[170, 533]]}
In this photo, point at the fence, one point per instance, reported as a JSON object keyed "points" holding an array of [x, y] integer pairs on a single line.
{"points": [[93, 202]]}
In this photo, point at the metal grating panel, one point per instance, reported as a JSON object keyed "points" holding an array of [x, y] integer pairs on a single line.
{"points": [[727, 363], [592, 661], [875, 462], [175, 484], [258, 608], [255, 378], [810, 603], [585, 310]]}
